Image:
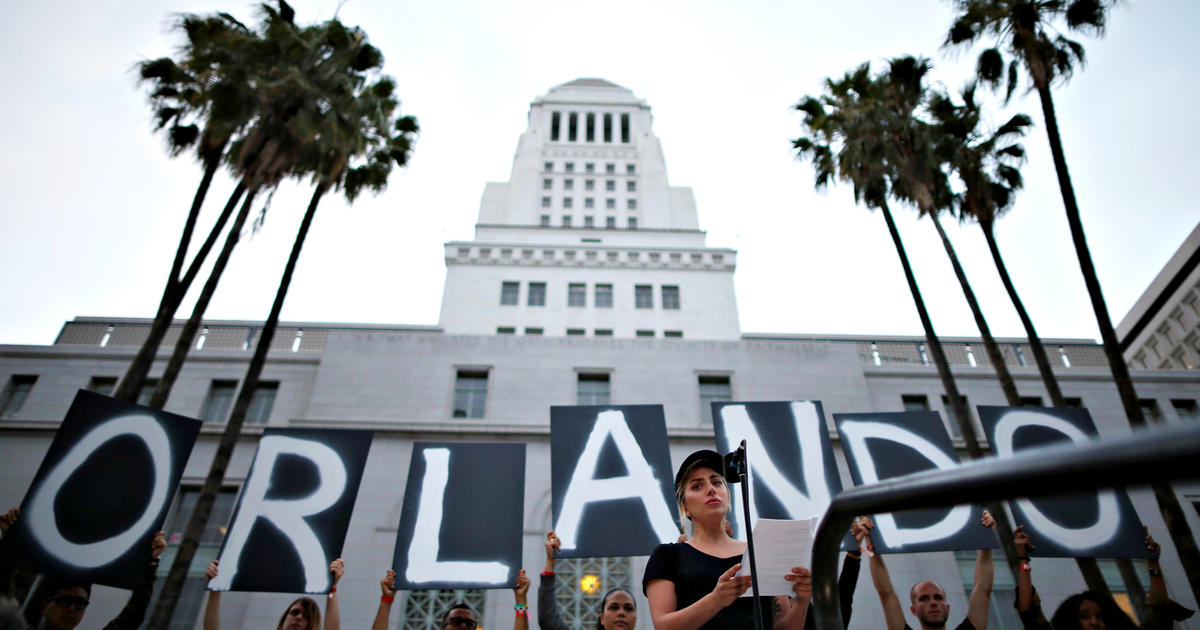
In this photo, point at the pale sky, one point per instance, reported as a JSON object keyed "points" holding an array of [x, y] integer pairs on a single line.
{"points": [[91, 206]]}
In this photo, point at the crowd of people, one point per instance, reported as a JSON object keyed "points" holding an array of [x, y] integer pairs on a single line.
{"points": [[694, 583]]}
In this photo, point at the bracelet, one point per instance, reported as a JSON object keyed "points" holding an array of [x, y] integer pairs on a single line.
{"points": [[1024, 566], [522, 610], [333, 590], [387, 598], [547, 573]]}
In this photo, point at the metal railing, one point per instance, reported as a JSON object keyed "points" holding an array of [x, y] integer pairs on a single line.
{"points": [[1148, 456]]}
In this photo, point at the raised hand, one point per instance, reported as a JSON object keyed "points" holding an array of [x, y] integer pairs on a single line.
{"points": [[1022, 542], [337, 568], [388, 584], [211, 571]]}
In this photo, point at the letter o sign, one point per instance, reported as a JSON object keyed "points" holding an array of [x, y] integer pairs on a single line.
{"points": [[43, 525]]}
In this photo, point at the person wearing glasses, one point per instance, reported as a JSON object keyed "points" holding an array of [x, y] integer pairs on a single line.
{"points": [[460, 616], [302, 614], [64, 600]]}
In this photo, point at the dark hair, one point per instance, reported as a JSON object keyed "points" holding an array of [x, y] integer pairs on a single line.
{"points": [[458, 606], [309, 607], [1066, 617], [604, 602], [50, 587]]}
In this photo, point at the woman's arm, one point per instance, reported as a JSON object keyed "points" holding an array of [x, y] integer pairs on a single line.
{"points": [[547, 607], [333, 618], [388, 587], [521, 602], [212, 610], [794, 616], [663, 605]]}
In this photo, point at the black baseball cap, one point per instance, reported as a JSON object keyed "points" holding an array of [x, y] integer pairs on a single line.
{"points": [[706, 458]]}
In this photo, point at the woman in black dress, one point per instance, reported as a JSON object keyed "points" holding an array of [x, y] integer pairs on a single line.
{"points": [[691, 585]]}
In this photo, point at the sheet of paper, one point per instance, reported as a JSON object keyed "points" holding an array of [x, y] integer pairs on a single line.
{"points": [[779, 545]]}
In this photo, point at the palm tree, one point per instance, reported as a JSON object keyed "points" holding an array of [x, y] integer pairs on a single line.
{"points": [[988, 167], [1027, 30], [864, 130], [208, 87], [354, 140]]}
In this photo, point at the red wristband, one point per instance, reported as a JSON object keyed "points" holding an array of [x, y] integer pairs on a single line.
{"points": [[547, 573], [333, 590], [385, 598]]}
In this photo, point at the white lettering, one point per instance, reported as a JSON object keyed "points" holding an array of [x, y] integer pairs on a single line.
{"points": [[738, 426], [856, 433], [1109, 518], [423, 565], [287, 515], [640, 483], [44, 525]]}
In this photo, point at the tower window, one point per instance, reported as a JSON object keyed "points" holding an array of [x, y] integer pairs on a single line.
{"points": [[631, 186], [537, 294], [568, 184], [509, 292], [630, 169], [593, 389], [589, 221], [547, 184], [555, 119], [604, 295], [569, 167], [545, 222], [633, 223], [588, 202], [591, 127], [610, 168], [566, 222], [577, 295], [610, 222], [611, 204], [608, 128], [589, 184], [545, 202], [643, 296], [548, 167], [670, 297], [631, 204], [624, 128], [589, 167], [610, 185], [572, 127], [470, 393]]}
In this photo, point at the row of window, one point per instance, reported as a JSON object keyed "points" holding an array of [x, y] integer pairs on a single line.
{"points": [[216, 407], [595, 127], [590, 184], [590, 167], [602, 295], [582, 332], [1186, 409], [592, 388], [589, 202], [589, 221]]}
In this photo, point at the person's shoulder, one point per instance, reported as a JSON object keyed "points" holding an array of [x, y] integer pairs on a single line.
{"points": [[965, 625], [667, 549]]}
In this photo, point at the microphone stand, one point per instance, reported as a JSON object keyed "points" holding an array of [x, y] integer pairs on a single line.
{"points": [[737, 460]]}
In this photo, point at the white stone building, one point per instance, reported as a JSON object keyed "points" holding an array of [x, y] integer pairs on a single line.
{"points": [[555, 302]]}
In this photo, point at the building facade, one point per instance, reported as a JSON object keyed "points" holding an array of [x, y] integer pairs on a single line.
{"points": [[557, 301]]}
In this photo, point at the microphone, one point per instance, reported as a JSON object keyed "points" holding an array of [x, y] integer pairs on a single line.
{"points": [[735, 463]]}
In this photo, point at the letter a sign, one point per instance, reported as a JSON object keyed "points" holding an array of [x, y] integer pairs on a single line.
{"points": [[611, 480], [103, 490]]}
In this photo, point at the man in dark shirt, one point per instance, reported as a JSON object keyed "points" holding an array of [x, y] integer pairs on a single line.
{"points": [[62, 601], [928, 598]]}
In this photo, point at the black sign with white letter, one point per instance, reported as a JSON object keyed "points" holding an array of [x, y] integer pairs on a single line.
{"points": [[880, 446], [792, 470], [612, 485], [291, 519], [103, 490], [1099, 525], [463, 516]]}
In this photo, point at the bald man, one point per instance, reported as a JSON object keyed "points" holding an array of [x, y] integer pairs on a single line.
{"points": [[928, 599]]}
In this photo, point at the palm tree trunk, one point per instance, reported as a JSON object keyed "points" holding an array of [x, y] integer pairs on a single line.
{"points": [[1004, 528], [173, 294], [1168, 503], [1007, 384], [173, 583], [184, 344], [1088, 567]]}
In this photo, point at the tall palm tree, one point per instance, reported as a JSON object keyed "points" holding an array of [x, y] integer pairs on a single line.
{"points": [[1028, 32], [201, 102], [988, 166], [864, 130], [354, 139]]}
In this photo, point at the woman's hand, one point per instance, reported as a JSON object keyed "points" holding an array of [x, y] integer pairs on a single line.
{"points": [[211, 571], [801, 580], [387, 585], [730, 587], [337, 568]]}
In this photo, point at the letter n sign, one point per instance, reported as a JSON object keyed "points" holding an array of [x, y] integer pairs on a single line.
{"points": [[103, 490], [291, 519], [1096, 525], [611, 480], [462, 519]]}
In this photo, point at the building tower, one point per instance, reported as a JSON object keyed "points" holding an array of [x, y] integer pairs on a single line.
{"points": [[587, 238]]}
